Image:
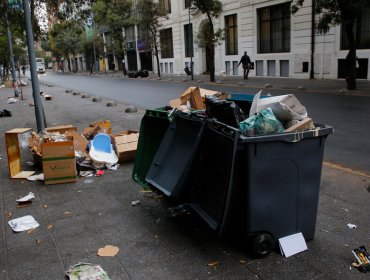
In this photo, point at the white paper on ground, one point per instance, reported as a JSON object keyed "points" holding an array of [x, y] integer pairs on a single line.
{"points": [[23, 223], [28, 197], [39, 177], [86, 271], [292, 244]]}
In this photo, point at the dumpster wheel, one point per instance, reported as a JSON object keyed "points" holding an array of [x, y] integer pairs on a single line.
{"points": [[262, 245]]}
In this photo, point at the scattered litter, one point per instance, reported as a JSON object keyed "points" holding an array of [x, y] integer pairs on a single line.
{"points": [[351, 226], [5, 113], [242, 261], [88, 181], [39, 177], [87, 173], [362, 256], [29, 232], [23, 223], [9, 215], [87, 271], [108, 251], [49, 227], [292, 244], [30, 163], [45, 206], [135, 202], [12, 100], [146, 191], [113, 167], [26, 198], [214, 264], [345, 210], [101, 150], [180, 210], [38, 241], [68, 213], [99, 173]]}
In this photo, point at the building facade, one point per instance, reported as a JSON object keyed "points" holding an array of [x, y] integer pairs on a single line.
{"points": [[280, 44]]}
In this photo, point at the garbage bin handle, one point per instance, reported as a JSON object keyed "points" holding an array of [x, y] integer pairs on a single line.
{"points": [[231, 188]]}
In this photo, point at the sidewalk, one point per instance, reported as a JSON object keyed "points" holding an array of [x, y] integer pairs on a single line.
{"points": [[326, 86], [152, 244]]}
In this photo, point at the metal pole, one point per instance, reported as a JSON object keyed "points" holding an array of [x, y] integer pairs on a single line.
{"points": [[190, 47], [96, 63], [39, 110], [14, 76]]}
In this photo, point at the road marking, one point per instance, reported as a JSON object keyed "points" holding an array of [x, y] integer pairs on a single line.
{"points": [[346, 169]]}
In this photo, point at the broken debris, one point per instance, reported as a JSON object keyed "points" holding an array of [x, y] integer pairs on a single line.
{"points": [[351, 226], [86, 271], [135, 202]]}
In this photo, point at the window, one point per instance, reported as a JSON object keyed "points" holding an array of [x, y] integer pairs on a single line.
{"points": [[362, 32], [274, 29], [166, 5], [231, 27], [188, 34], [187, 4], [166, 43]]}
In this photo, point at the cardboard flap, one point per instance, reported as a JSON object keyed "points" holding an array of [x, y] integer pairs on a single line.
{"points": [[57, 149]]}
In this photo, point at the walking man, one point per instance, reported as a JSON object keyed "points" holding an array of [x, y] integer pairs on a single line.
{"points": [[246, 62]]}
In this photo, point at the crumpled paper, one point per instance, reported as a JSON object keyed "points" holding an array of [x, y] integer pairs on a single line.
{"points": [[23, 223], [87, 271], [28, 197]]}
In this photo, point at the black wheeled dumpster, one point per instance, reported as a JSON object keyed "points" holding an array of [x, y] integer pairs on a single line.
{"points": [[153, 127], [261, 188]]}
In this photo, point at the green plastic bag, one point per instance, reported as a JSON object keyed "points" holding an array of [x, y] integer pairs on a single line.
{"points": [[263, 123]]}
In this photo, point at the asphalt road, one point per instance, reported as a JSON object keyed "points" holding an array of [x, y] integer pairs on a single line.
{"points": [[349, 115]]}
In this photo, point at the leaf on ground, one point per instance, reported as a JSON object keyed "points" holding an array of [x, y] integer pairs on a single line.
{"points": [[68, 213], [9, 215], [49, 227], [45, 206], [29, 232], [214, 264]]}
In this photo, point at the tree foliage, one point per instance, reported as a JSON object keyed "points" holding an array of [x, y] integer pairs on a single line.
{"points": [[334, 12], [208, 38], [149, 19]]}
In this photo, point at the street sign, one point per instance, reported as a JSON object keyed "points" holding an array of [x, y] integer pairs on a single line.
{"points": [[15, 4]]}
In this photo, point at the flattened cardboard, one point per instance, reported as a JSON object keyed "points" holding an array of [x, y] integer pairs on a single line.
{"points": [[80, 142], [125, 144], [14, 153], [305, 124], [61, 128], [58, 162]]}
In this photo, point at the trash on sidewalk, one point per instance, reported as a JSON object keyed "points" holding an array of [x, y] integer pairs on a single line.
{"points": [[38, 177], [12, 100], [135, 202], [362, 256], [48, 97], [101, 150], [292, 244], [125, 144], [87, 173], [113, 167], [86, 271], [99, 173], [13, 140], [26, 198], [23, 223], [5, 113], [351, 226], [108, 251], [103, 126], [180, 210]]}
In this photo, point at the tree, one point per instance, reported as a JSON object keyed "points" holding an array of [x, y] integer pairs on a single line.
{"points": [[208, 38], [150, 15], [113, 15], [345, 12]]}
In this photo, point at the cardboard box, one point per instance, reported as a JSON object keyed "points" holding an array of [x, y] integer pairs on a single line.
{"points": [[58, 162], [8, 84], [61, 128], [14, 153], [125, 144]]}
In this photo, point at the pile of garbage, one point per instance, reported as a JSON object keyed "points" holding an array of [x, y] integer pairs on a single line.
{"points": [[253, 115], [63, 154]]}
